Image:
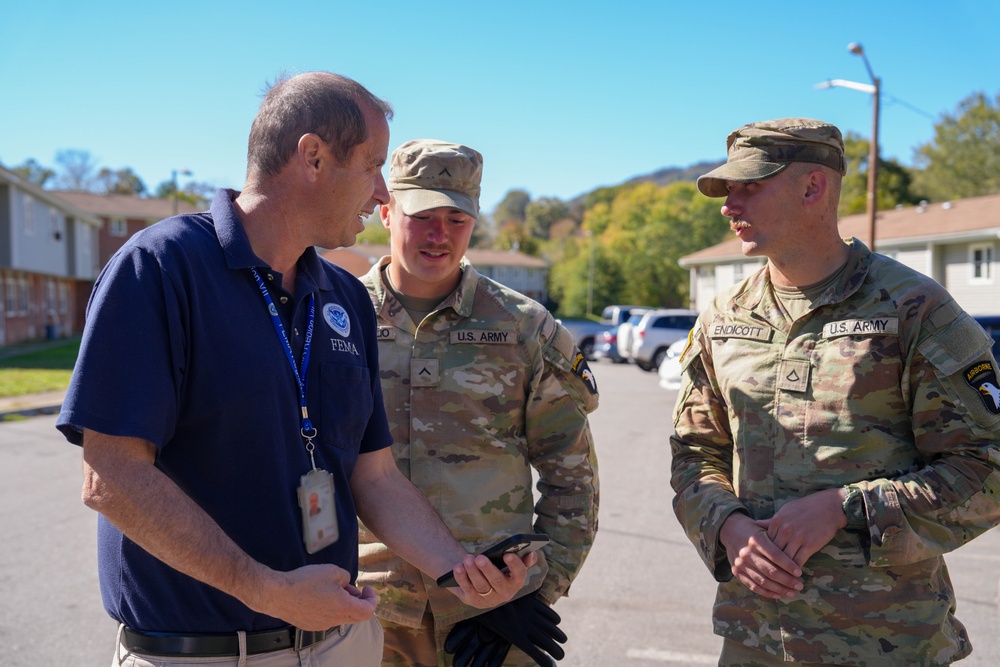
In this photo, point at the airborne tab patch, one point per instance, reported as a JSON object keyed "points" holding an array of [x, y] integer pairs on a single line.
{"points": [[982, 377]]}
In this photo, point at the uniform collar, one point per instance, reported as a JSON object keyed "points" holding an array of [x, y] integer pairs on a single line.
{"points": [[460, 300], [758, 290]]}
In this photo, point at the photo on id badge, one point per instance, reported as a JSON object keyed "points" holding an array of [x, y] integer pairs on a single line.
{"points": [[319, 516]]}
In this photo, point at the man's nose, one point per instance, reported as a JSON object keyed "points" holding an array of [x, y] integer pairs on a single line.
{"points": [[381, 193]]}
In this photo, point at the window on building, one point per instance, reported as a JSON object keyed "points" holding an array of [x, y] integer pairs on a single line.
{"points": [[10, 296], [981, 263], [63, 298], [22, 296], [706, 278], [117, 227], [29, 214], [56, 221]]}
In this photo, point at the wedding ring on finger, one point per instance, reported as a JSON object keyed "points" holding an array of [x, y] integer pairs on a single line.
{"points": [[482, 595]]}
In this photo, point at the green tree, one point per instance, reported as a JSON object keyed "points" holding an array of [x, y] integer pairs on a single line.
{"points": [[513, 235], [196, 193], [895, 182], [570, 278], [120, 182], [963, 159], [639, 232], [375, 232], [31, 171], [542, 214], [511, 208]]}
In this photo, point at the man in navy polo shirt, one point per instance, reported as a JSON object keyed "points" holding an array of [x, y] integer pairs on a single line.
{"points": [[227, 385]]}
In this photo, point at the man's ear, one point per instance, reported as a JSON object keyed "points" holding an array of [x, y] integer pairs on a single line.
{"points": [[383, 211], [816, 186], [309, 155]]}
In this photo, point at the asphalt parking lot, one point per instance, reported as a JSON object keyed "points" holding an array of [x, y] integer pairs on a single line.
{"points": [[643, 598]]}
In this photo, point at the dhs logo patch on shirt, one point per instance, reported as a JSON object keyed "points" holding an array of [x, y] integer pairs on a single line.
{"points": [[982, 377], [337, 319]]}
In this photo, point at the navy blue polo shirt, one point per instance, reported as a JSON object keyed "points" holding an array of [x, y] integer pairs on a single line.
{"points": [[179, 349]]}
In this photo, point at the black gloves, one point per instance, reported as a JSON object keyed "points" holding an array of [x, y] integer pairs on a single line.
{"points": [[475, 645], [527, 623]]}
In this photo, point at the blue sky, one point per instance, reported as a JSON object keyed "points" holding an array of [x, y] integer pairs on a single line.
{"points": [[560, 97]]}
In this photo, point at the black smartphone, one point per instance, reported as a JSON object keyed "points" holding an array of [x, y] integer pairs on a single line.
{"points": [[521, 545]]}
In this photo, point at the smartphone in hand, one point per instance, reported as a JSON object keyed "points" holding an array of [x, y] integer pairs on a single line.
{"points": [[520, 545]]}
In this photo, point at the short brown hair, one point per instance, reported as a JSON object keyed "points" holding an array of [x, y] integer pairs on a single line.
{"points": [[322, 103]]}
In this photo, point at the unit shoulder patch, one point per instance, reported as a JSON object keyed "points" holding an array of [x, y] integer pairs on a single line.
{"points": [[582, 371], [982, 376]]}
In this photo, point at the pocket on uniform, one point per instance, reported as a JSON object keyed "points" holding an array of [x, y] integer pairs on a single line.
{"points": [[345, 405]]}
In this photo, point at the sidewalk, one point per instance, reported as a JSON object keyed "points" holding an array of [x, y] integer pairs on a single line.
{"points": [[29, 405]]}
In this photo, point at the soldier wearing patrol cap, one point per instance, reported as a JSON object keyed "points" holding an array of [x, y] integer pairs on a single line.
{"points": [[481, 385], [832, 433]]}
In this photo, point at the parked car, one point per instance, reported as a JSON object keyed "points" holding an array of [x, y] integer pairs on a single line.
{"points": [[625, 331], [670, 368], [586, 332], [991, 324], [656, 331], [607, 346]]}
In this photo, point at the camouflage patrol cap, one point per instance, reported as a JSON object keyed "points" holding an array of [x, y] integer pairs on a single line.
{"points": [[765, 149], [426, 173]]}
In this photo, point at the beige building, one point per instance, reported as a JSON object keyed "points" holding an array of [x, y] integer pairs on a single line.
{"points": [[955, 243]]}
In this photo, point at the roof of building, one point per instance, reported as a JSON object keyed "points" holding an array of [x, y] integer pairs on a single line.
{"points": [[964, 219], [50, 197], [125, 206], [359, 258]]}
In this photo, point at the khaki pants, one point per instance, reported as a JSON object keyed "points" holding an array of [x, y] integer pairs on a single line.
{"points": [[424, 646], [359, 646]]}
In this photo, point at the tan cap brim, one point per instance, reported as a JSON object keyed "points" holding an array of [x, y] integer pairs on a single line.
{"points": [[415, 200], [713, 184]]}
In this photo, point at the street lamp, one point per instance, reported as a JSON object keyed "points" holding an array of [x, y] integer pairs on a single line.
{"points": [[873, 90], [173, 179]]}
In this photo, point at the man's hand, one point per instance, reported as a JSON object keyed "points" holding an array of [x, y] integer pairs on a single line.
{"points": [[805, 525], [757, 561], [527, 623], [483, 585], [315, 597]]}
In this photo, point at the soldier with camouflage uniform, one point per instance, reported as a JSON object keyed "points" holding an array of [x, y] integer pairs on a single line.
{"points": [[834, 432], [481, 385]]}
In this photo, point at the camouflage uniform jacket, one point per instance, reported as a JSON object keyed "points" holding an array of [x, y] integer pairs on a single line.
{"points": [[879, 385], [485, 388]]}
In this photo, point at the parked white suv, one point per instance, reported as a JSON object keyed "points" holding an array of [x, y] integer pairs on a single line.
{"points": [[625, 330], [658, 330]]}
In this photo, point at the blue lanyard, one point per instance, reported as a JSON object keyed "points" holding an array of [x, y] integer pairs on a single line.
{"points": [[307, 430]]}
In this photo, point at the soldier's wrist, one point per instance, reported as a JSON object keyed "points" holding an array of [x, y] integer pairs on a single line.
{"points": [[853, 506]]}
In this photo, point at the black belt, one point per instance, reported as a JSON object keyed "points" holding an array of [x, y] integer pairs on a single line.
{"points": [[263, 641]]}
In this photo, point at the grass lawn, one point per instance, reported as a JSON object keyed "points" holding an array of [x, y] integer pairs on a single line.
{"points": [[38, 368]]}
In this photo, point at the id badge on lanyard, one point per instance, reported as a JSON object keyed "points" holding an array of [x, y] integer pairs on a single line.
{"points": [[315, 492]]}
